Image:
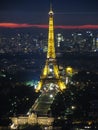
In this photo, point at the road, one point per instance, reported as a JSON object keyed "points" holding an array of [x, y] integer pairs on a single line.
{"points": [[43, 103]]}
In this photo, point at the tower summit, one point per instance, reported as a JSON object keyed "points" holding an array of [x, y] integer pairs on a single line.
{"points": [[51, 12], [50, 73]]}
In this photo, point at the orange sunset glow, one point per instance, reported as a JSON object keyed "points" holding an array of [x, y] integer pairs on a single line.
{"points": [[25, 25]]}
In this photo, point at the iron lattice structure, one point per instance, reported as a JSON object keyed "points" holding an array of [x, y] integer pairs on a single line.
{"points": [[50, 72]]}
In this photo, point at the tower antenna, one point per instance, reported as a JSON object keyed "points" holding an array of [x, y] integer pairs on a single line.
{"points": [[51, 5]]}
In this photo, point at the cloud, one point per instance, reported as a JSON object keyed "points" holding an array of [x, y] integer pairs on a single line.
{"points": [[18, 25], [25, 25], [78, 27]]}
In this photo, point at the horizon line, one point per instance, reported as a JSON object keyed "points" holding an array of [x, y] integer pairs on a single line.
{"points": [[45, 26]]}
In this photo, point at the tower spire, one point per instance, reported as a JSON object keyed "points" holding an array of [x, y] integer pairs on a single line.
{"points": [[51, 48], [51, 6], [51, 11]]}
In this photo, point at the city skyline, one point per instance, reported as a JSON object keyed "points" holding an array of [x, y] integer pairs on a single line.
{"points": [[68, 14], [48, 76]]}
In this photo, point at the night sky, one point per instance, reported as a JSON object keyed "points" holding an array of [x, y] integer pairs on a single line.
{"points": [[35, 12]]}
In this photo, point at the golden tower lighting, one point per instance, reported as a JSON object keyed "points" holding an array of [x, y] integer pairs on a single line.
{"points": [[50, 72]]}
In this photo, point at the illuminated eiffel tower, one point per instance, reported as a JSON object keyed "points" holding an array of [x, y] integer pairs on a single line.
{"points": [[50, 72]]}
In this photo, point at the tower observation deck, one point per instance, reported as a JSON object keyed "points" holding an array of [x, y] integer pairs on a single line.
{"points": [[50, 73]]}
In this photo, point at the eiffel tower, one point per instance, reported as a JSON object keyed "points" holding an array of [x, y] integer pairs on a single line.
{"points": [[50, 72]]}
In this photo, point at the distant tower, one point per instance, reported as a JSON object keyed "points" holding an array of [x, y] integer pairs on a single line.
{"points": [[50, 72]]}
